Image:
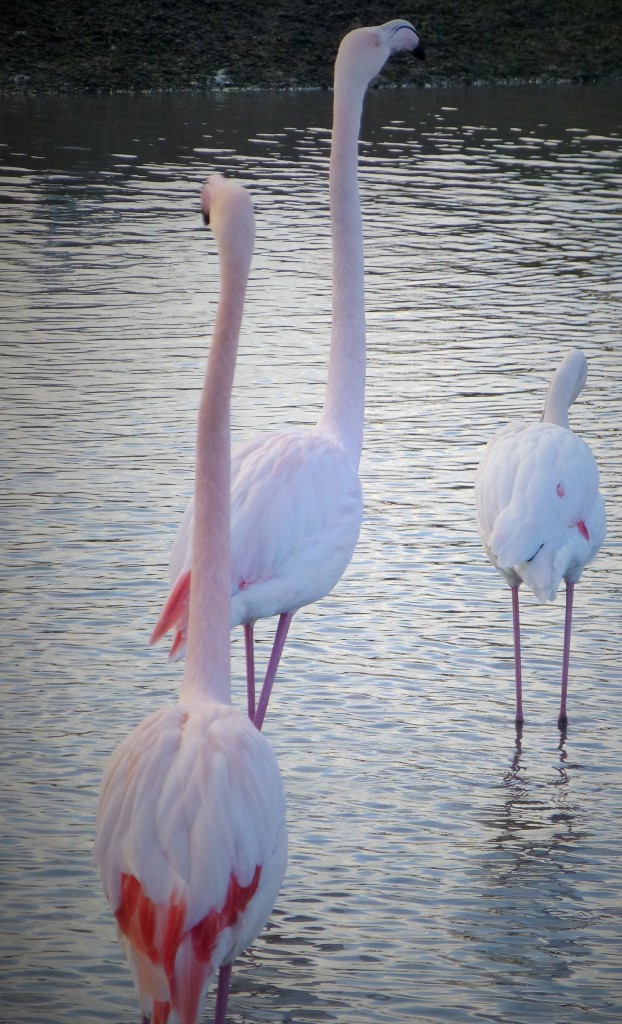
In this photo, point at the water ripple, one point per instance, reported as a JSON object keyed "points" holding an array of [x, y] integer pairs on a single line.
{"points": [[441, 869]]}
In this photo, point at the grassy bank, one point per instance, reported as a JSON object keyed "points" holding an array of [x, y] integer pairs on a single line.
{"points": [[142, 45]]}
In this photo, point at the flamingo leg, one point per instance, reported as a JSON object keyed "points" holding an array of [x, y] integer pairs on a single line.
{"points": [[517, 660], [566, 656], [285, 619], [249, 648], [222, 994]]}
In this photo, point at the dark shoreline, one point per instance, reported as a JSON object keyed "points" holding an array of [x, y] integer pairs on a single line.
{"points": [[71, 47]]}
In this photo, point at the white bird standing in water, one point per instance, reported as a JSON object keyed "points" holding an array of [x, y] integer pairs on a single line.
{"points": [[191, 840], [296, 502], [540, 515]]}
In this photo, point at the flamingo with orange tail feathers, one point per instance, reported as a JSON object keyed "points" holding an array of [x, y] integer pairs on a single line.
{"points": [[296, 502], [191, 841], [540, 515]]}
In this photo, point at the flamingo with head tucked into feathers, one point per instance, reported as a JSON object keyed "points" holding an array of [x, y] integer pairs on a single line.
{"points": [[296, 502], [191, 842], [540, 515]]}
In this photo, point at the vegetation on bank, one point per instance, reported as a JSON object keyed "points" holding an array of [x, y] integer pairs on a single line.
{"points": [[144, 45]]}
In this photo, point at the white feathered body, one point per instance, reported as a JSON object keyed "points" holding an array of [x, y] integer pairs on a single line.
{"points": [[296, 513], [191, 847], [540, 515]]}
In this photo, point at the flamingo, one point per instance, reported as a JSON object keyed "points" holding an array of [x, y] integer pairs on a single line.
{"points": [[296, 500], [191, 842], [540, 515]]}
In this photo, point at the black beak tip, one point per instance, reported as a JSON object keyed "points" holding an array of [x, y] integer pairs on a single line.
{"points": [[206, 219], [419, 51]]}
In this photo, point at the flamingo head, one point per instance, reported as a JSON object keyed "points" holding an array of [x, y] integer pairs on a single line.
{"points": [[365, 51], [228, 209], [566, 385]]}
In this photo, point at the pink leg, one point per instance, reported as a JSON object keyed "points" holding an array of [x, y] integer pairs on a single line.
{"points": [[277, 649], [517, 661], [249, 647], [566, 656], [222, 994]]}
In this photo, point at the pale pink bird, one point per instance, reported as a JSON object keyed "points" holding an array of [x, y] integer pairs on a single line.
{"points": [[540, 514], [296, 501], [191, 841]]}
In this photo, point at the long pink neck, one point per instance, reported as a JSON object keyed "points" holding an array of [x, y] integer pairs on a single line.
{"points": [[207, 666], [344, 406]]}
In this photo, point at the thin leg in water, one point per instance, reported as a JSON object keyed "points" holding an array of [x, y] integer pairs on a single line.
{"points": [[249, 649], [517, 661], [222, 994], [566, 656], [277, 649]]}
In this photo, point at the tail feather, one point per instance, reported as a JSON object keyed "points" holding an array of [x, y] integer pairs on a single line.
{"points": [[178, 646], [175, 610]]}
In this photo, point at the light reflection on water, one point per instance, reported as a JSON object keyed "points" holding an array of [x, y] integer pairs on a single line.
{"points": [[440, 869]]}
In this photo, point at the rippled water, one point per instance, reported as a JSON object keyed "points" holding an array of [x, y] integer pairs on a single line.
{"points": [[441, 870]]}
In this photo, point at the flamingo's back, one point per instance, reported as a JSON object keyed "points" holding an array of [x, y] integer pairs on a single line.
{"points": [[296, 513], [539, 511], [192, 849]]}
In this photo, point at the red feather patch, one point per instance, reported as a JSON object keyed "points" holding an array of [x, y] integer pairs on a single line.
{"points": [[137, 917]]}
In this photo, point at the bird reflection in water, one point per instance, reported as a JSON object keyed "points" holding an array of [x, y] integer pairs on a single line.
{"points": [[537, 818]]}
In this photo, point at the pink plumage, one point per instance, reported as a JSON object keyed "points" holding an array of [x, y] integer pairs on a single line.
{"points": [[191, 841], [280, 561], [192, 850], [296, 501], [540, 514]]}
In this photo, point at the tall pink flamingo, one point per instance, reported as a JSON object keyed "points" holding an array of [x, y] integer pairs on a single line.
{"points": [[191, 842], [540, 514], [296, 502]]}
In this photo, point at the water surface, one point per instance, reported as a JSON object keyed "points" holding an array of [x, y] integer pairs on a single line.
{"points": [[442, 869]]}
